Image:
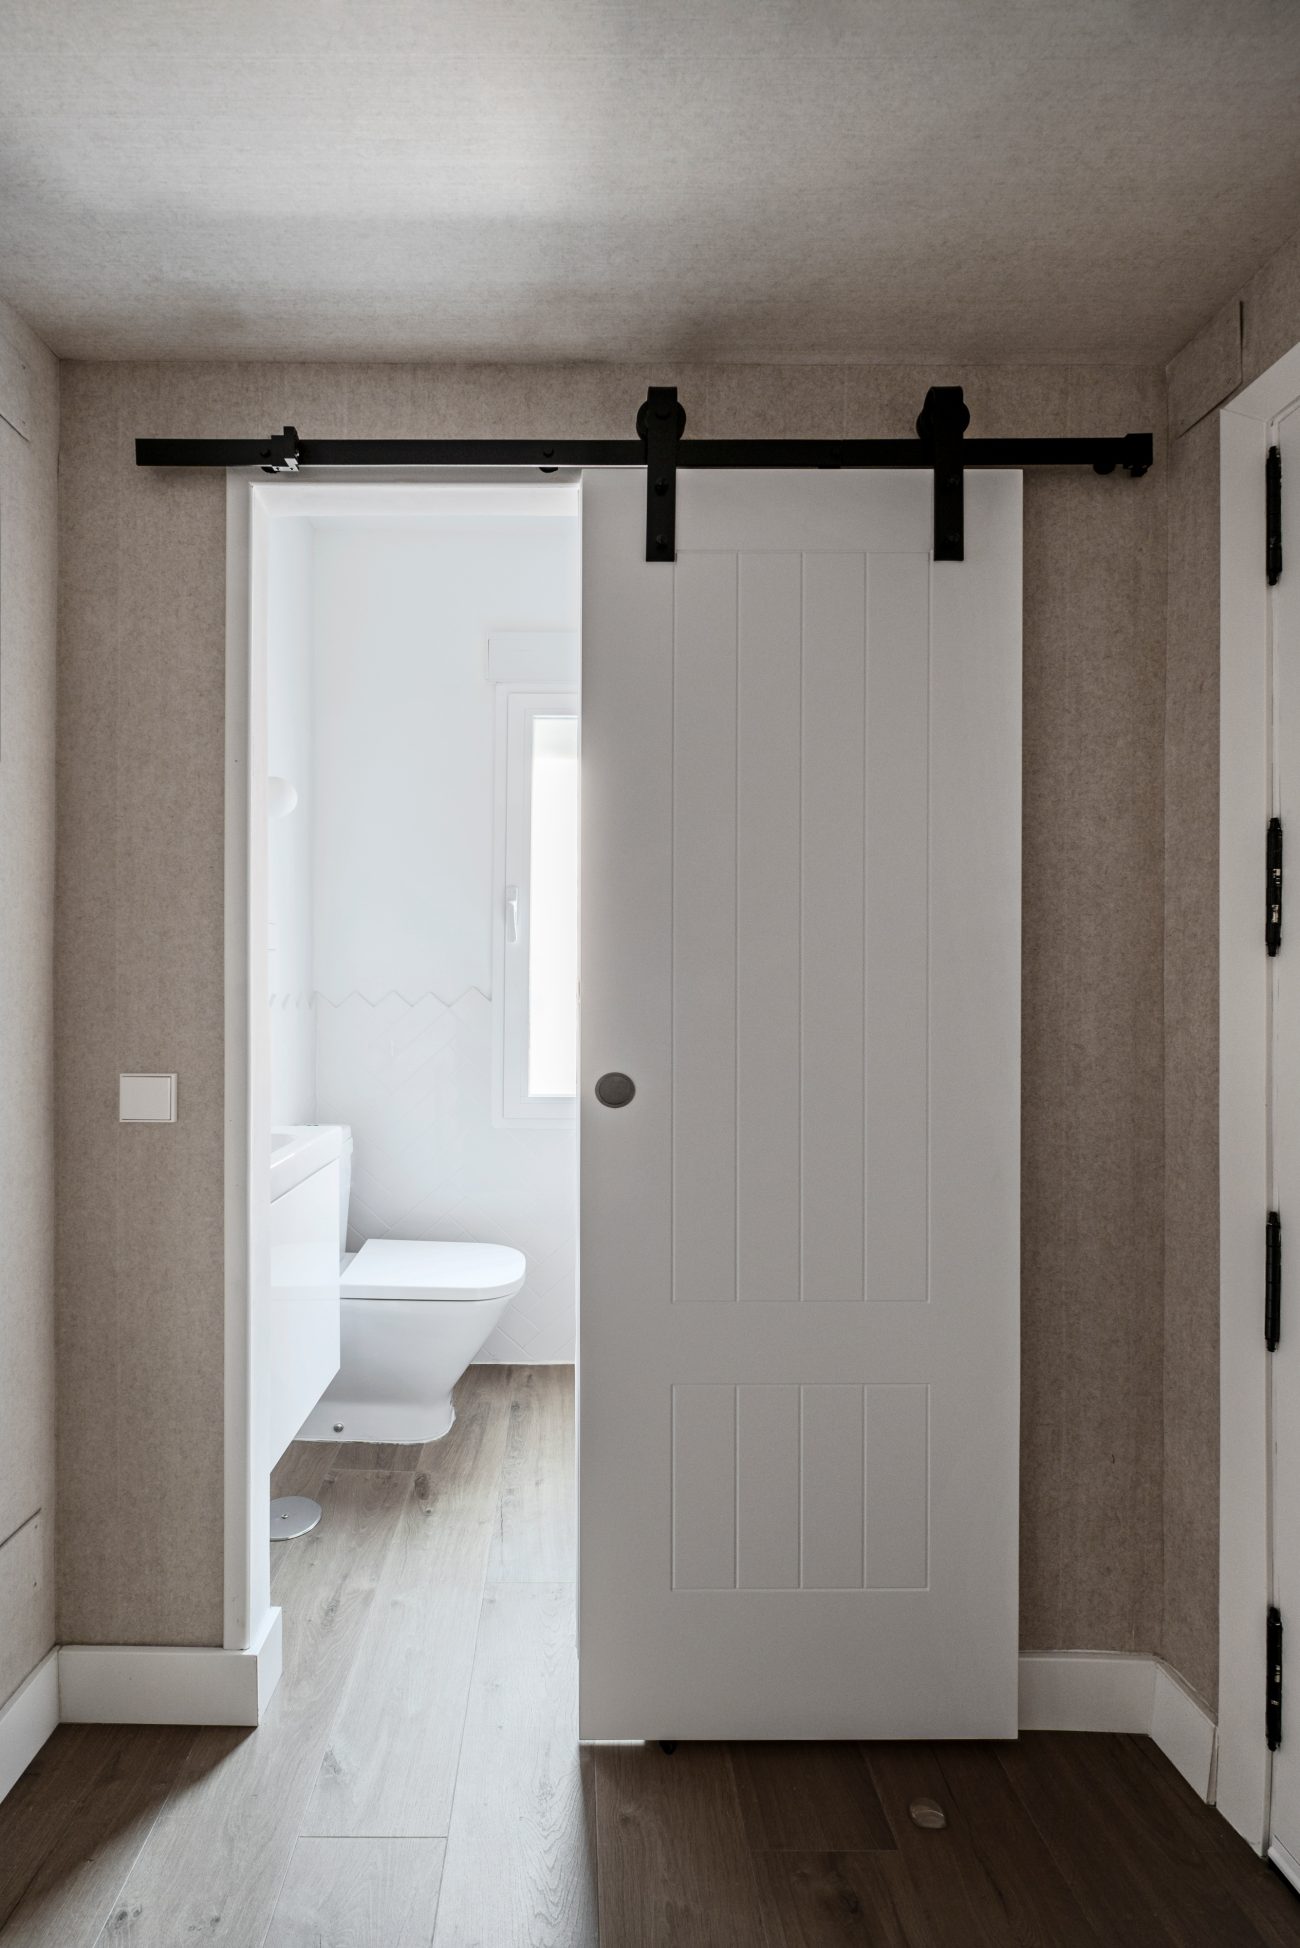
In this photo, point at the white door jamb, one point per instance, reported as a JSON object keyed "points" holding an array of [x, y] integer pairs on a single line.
{"points": [[1244, 1160]]}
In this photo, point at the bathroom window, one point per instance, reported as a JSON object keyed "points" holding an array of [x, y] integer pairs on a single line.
{"points": [[538, 928]]}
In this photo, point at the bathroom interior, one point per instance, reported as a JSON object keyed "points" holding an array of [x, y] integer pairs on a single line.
{"points": [[422, 671]]}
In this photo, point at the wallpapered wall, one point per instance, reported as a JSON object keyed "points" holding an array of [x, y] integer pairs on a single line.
{"points": [[140, 946]]}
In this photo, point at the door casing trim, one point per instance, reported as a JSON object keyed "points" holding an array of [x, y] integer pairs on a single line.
{"points": [[1244, 803]]}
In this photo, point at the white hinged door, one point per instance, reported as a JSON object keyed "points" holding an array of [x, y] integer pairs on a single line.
{"points": [[1283, 1194]]}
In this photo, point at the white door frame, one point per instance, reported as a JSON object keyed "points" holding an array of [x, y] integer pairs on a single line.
{"points": [[253, 501], [247, 1119], [1244, 1080]]}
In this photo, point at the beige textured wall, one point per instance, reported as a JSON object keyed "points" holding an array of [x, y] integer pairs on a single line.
{"points": [[1253, 330], [29, 407], [1189, 1625], [140, 889], [1092, 1134]]}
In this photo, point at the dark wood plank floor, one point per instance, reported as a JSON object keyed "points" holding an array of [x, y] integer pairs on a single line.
{"points": [[417, 1782]]}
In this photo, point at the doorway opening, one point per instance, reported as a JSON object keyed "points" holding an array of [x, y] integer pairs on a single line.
{"points": [[800, 1225], [404, 908]]}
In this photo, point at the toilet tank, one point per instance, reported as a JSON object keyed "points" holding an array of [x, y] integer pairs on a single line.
{"points": [[345, 1188]]}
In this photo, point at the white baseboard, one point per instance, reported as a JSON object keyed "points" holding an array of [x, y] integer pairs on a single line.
{"points": [[27, 1720], [134, 1684], [1086, 1691], [1285, 1862], [1108, 1691], [1185, 1732], [158, 1684]]}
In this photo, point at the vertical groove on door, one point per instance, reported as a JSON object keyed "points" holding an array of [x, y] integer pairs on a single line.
{"points": [[704, 1487], [704, 930], [778, 1486], [767, 1487], [803, 598], [832, 1487], [897, 1499], [767, 920], [833, 1001], [735, 1012], [896, 1105]]}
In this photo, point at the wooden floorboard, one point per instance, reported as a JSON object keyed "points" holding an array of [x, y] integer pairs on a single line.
{"points": [[841, 1900], [358, 1894], [814, 1798], [1269, 1901], [956, 1872], [536, 1538], [212, 1868], [675, 1865], [411, 1673], [301, 1469], [1166, 1851], [520, 1866], [46, 1801], [1011, 1858], [74, 1893], [417, 1781], [399, 1457], [1097, 1834]]}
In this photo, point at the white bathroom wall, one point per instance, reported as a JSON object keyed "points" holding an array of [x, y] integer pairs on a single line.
{"points": [[289, 839], [403, 870]]}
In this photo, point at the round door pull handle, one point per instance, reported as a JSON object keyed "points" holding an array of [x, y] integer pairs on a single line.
{"points": [[615, 1090]]}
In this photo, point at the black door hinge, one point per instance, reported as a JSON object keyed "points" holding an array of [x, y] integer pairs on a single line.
{"points": [[1273, 1680], [1273, 514], [1273, 887], [1272, 1281]]}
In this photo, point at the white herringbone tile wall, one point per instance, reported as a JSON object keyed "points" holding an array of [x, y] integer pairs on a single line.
{"points": [[414, 1080]]}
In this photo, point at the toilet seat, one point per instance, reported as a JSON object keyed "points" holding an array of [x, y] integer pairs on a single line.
{"points": [[445, 1272]]}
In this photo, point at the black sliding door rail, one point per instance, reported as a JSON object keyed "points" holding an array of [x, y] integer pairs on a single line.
{"points": [[940, 447]]}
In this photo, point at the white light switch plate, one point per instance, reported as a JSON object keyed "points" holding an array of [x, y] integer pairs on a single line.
{"points": [[146, 1099]]}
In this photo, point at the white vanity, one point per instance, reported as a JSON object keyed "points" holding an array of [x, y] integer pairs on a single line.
{"points": [[304, 1309]]}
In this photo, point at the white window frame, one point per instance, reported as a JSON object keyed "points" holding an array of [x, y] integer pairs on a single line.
{"points": [[517, 707]]}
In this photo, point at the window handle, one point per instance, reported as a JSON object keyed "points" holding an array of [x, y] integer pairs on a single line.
{"points": [[512, 915]]}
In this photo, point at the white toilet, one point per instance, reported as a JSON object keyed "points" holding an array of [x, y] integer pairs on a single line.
{"points": [[414, 1314]]}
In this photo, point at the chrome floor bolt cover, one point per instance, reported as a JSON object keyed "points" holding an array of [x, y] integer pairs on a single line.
{"points": [[293, 1515]]}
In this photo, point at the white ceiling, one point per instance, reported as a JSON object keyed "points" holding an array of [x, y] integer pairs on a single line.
{"points": [[637, 179]]}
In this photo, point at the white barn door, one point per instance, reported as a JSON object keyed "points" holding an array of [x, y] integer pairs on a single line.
{"points": [[799, 1367]]}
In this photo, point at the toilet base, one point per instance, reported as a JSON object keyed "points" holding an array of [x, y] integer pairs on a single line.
{"points": [[385, 1421], [399, 1360]]}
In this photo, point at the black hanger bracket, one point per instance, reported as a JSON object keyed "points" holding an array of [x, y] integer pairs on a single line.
{"points": [[660, 424]]}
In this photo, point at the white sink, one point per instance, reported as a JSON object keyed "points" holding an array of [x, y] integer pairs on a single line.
{"points": [[298, 1152], [303, 1316]]}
